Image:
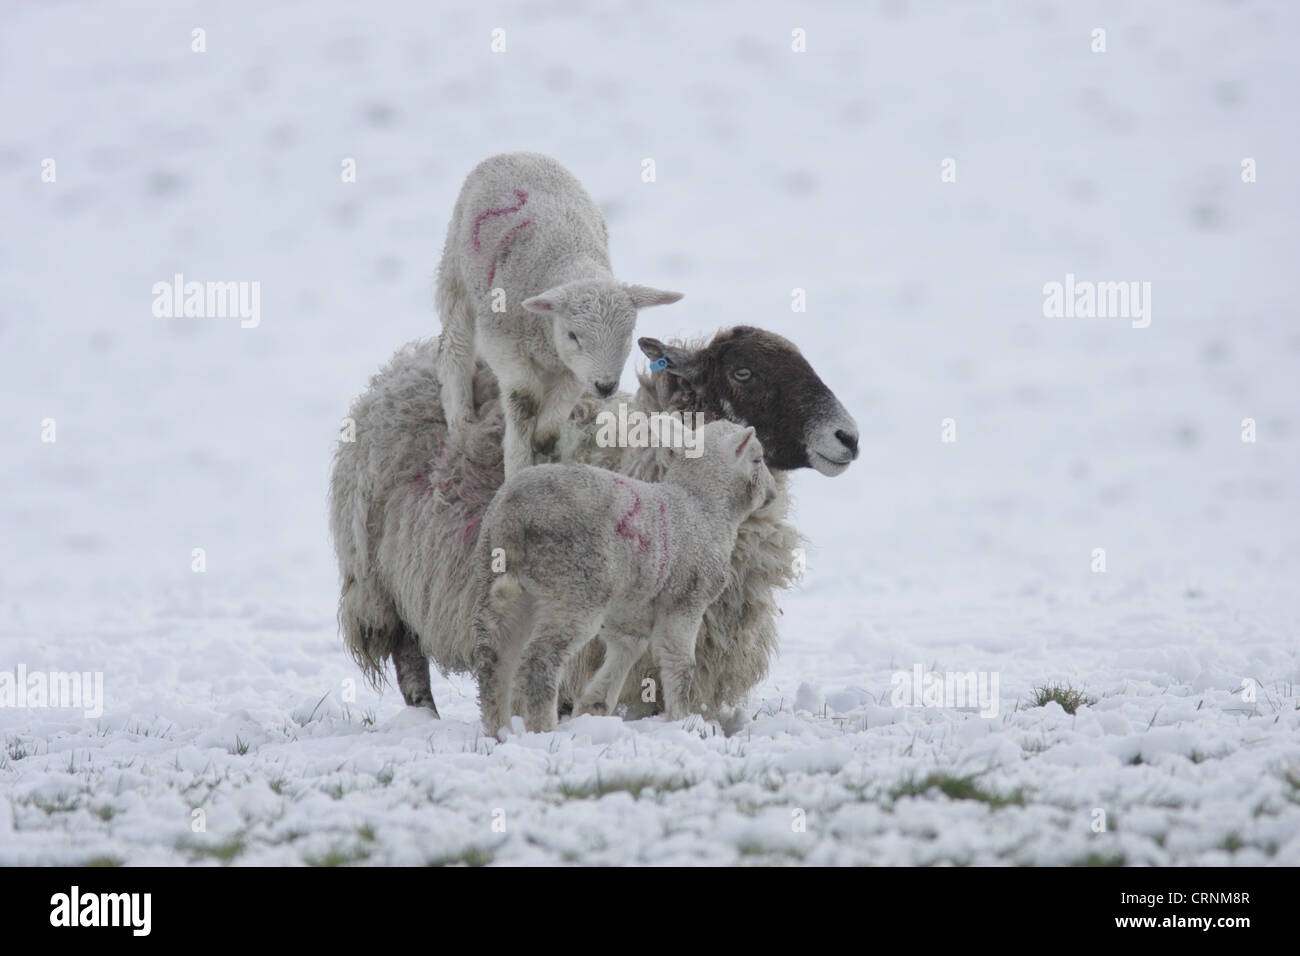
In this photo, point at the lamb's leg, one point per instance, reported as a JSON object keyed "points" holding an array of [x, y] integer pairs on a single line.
{"points": [[622, 650], [413, 673], [672, 643], [553, 414], [500, 633], [455, 351], [522, 402], [558, 634]]}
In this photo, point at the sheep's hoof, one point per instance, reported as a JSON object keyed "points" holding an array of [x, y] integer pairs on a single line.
{"points": [[596, 707], [426, 702]]}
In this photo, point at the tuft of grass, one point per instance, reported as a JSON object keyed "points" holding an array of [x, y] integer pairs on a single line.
{"points": [[1100, 859], [16, 750], [958, 788], [470, 856], [1232, 842], [598, 788], [240, 748], [62, 803], [750, 848], [1068, 697], [104, 861], [223, 851], [106, 813], [277, 785], [1292, 780], [367, 833], [338, 856]]}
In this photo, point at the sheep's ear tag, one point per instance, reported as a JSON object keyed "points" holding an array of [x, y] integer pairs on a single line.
{"points": [[659, 364]]}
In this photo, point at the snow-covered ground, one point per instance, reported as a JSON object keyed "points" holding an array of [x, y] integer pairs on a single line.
{"points": [[226, 691]]}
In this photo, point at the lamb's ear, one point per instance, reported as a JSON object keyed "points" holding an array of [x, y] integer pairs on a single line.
{"points": [[680, 362], [549, 302], [744, 440], [643, 296]]}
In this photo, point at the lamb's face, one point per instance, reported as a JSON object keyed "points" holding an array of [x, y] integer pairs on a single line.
{"points": [[592, 324], [732, 458], [593, 335]]}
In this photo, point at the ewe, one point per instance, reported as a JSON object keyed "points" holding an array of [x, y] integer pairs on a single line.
{"points": [[406, 499], [525, 285]]}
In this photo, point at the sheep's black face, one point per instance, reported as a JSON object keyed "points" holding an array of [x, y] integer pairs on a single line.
{"points": [[758, 378]]}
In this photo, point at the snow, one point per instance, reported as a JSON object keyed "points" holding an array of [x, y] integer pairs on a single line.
{"points": [[228, 691]]}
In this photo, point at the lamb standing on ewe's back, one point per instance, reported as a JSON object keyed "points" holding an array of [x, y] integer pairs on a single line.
{"points": [[571, 542], [525, 284], [406, 500]]}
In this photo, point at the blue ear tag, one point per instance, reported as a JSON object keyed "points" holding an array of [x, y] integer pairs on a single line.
{"points": [[659, 364]]}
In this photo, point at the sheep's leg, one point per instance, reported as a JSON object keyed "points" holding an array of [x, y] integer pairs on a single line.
{"points": [[456, 352], [622, 650], [413, 673], [672, 644], [559, 634]]}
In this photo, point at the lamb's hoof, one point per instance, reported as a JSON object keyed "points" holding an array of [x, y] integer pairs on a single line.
{"points": [[733, 722], [545, 447], [596, 707]]}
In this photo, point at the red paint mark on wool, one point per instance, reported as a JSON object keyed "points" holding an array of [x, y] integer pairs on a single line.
{"points": [[663, 545], [458, 493], [501, 247], [521, 197], [421, 483], [469, 528], [628, 528]]}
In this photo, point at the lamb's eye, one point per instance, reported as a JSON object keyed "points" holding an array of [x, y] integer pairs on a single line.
{"points": [[741, 375], [573, 336]]}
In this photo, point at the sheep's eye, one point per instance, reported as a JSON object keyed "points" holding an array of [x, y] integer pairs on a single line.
{"points": [[741, 375], [573, 336], [758, 461]]}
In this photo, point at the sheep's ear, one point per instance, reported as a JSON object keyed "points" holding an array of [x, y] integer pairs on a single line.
{"points": [[549, 302], [681, 362], [643, 296], [745, 436]]}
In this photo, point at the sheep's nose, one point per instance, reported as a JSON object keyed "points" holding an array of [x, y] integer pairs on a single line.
{"points": [[606, 389], [849, 441]]}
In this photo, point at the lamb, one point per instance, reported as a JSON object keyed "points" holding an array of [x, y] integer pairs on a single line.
{"points": [[525, 284], [572, 543], [406, 499]]}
